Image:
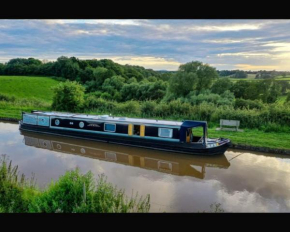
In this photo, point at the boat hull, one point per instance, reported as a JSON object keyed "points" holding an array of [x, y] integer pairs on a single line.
{"points": [[196, 149]]}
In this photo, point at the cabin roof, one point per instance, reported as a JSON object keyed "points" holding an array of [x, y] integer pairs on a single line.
{"points": [[111, 118]]}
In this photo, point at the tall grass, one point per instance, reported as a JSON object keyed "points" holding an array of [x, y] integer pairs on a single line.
{"points": [[73, 192]]}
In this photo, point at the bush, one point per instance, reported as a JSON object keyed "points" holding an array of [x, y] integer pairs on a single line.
{"points": [[68, 96], [129, 107], [148, 108], [249, 104]]}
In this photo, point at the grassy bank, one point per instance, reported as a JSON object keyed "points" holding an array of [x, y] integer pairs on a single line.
{"points": [[73, 192]]}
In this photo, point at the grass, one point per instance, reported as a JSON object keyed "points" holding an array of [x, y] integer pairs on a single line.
{"points": [[277, 140], [28, 87], [29, 92]]}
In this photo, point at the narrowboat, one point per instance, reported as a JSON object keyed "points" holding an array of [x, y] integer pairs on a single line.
{"points": [[161, 161], [163, 135]]}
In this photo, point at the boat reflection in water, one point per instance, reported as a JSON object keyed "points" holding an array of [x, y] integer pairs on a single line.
{"points": [[181, 164]]}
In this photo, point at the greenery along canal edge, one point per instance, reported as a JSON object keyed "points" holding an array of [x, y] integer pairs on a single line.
{"points": [[233, 145]]}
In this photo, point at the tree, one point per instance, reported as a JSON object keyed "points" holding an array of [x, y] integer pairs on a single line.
{"points": [[68, 96], [240, 89], [221, 85], [129, 91], [241, 74], [192, 76], [2, 69], [113, 84], [285, 85]]}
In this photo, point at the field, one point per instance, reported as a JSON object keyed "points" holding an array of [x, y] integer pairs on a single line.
{"points": [[29, 92], [251, 77], [27, 87]]}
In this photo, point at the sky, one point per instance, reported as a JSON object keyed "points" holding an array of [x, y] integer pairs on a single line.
{"points": [[155, 44]]}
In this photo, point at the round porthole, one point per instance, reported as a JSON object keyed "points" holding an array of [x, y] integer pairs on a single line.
{"points": [[81, 124], [83, 151], [57, 122], [58, 146]]}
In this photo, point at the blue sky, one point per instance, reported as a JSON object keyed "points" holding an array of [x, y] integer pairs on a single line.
{"points": [[156, 44]]}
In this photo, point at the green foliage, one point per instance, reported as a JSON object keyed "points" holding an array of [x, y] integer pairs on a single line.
{"points": [[73, 192], [227, 98], [288, 97], [240, 74], [68, 96], [77, 193], [113, 85], [249, 104], [129, 107], [221, 85], [15, 193], [192, 76], [148, 107], [265, 90]]}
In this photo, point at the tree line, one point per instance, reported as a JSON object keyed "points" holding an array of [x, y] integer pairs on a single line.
{"points": [[195, 91]]}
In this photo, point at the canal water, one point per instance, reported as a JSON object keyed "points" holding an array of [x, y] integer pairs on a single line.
{"points": [[241, 181]]}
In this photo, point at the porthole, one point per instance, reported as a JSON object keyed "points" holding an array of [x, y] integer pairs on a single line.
{"points": [[58, 146], [81, 124], [83, 151], [57, 122]]}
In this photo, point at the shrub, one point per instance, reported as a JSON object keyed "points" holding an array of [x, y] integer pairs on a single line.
{"points": [[129, 107], [148, 108], [249, 104], [68, 96]]}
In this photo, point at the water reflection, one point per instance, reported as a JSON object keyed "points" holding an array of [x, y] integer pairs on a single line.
{"points": [[166, 162]]}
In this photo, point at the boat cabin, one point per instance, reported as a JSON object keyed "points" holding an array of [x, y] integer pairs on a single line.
{"points": [[173, 131]]}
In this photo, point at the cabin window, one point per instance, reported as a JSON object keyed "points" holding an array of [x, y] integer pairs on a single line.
{"points": [[165, 132], [110, 127]]}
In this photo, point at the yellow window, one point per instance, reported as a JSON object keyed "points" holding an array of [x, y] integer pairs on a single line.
{"points": [[142, 130], [130, 129]]}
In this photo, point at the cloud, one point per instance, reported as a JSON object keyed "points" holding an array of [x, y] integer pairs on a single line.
{"points": [[157, 44]]}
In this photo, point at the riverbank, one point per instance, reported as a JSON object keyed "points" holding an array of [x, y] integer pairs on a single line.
{"points": [[249, 139]]}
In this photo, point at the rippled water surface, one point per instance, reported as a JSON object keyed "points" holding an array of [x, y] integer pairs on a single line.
{"points": [[240, 181]]}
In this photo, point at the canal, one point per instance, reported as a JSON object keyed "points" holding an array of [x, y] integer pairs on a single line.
{"points": [[241, 181]]}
